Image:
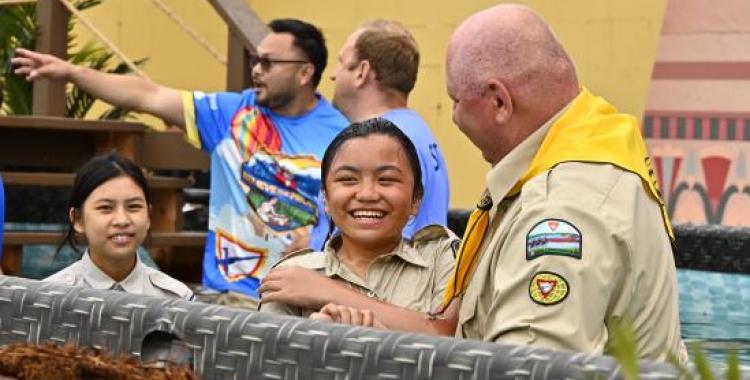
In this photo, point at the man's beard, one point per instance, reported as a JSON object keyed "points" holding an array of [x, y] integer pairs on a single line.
{"points": [[276, 100]]}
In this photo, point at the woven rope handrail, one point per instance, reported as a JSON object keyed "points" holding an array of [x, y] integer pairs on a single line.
{"points": [[190, 31]]}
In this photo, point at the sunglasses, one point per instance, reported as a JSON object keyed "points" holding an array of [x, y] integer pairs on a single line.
{"points": [[266, 63]]}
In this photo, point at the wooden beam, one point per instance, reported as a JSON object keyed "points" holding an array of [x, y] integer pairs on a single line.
{"points": [[52, 19], [239, 72], [12, 260], [246, 30], [243, 22], [168, 150], [156, 239], [157, 183], [73, 125]]}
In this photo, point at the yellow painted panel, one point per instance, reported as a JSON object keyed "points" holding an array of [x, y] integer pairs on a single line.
{"points": [[613, 42]]}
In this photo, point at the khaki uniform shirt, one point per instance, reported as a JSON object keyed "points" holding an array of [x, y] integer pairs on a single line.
{"points": [[533, 287], [142, 280], [413, 276]]}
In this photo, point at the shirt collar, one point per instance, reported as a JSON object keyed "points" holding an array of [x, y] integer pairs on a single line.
{"points": [[97, 279], [501, 178], [133, 283], [404, 251]]}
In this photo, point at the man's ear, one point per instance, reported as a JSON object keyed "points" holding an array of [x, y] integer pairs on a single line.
{"points": [[501, 100], [362, 73], [76, 220], [305, 74]]}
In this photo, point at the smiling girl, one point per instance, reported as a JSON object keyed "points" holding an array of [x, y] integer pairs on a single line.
{"points": [[371, 186], [109, 205]]}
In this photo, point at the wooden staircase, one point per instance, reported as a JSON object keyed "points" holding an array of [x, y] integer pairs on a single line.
{"points": [[45, 149], [45, 152]]}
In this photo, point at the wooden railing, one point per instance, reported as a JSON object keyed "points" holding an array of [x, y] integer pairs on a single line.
{"points": [[246, 30], [45, 149]]}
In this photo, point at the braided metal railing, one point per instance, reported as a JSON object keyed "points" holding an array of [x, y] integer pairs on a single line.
{"points": [[229, 343]]}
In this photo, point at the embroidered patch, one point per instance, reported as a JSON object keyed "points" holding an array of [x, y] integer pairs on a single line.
{"points": [[547, 288], [553, 237]]}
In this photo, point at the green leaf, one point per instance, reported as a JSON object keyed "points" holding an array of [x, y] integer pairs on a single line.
{"points": [[623, 346], [18, 29], [685, 373], [701, 362], [733, 365]]}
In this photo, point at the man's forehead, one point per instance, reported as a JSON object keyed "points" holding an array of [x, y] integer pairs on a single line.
{"points": [[277, 43], [351, 41]]}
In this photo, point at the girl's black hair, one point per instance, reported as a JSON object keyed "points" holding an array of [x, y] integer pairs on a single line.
{"points": [[93, 174], [375, 126]]}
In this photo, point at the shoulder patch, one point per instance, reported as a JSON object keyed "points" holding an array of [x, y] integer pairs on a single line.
{"points": [[553, 237], [169, 284], [548, 288]]}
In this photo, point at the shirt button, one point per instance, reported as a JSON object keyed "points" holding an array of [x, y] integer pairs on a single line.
{"points": [[371, 294]]}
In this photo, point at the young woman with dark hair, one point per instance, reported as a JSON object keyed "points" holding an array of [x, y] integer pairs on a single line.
{"points": [[371, 186], [109, 206]]}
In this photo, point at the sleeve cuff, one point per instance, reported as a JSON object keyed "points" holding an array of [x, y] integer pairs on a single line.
{"points": [[191, 128]]}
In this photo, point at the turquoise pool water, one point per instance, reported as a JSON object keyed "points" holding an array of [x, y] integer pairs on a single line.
{"points": [[715, 311]]}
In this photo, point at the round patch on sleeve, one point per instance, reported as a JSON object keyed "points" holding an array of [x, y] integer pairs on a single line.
{"points": [[547, 288], [553, 237]]}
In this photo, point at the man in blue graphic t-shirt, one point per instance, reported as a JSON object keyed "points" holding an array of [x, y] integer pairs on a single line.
{"points": [[376, 72], [265, 143]]}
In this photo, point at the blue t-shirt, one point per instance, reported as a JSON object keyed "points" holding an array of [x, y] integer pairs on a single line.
{"points": [[265, 179], [436, 198]]}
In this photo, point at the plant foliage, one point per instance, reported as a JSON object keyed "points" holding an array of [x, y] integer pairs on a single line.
{"points": [[18, 28]]}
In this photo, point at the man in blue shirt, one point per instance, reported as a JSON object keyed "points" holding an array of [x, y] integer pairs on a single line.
{"points": [[265, 143], [376, 72]]}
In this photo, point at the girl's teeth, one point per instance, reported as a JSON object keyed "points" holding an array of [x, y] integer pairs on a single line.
{"points": [[367, 214]]}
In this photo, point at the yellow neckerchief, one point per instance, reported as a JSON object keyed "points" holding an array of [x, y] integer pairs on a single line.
{"points": [[590, 130], [593, 131]]}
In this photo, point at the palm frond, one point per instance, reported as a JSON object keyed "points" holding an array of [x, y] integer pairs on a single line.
{"points": [[18, 29]]}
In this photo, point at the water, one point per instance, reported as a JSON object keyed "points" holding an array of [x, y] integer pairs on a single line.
{"points": [[715, 312]]}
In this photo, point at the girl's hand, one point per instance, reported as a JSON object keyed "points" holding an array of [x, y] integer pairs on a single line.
{"points": [[347, 315], [294, 285]]}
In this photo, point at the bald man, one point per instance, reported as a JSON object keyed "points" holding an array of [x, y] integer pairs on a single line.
{"points": [[577, 236], [571, 235]]}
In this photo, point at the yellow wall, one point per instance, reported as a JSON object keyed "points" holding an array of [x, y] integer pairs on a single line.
{"points": [[613, 42]]}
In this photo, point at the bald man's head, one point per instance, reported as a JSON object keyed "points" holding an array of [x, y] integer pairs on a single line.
{"points": [[507, 65], [513, 44]]}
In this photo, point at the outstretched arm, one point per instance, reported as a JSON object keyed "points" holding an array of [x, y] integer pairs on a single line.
{"points": [[303, 287], [124, 91]]}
